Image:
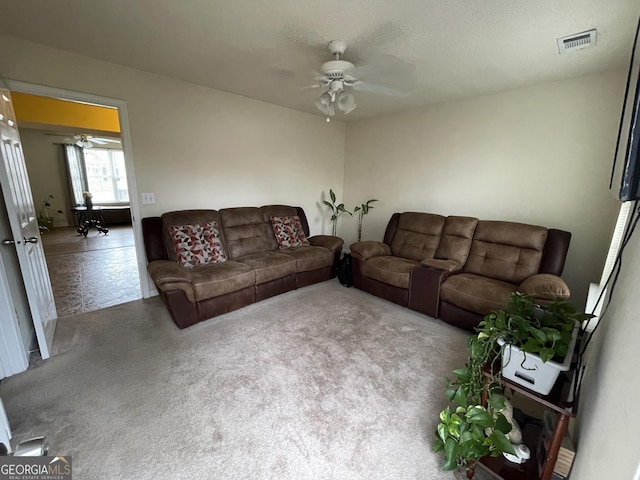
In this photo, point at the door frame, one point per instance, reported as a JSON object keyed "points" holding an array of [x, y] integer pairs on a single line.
{"points": [[125, 133]]}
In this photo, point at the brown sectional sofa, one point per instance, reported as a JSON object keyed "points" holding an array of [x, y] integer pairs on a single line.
{"points": [[459, 269], [255, 268]]}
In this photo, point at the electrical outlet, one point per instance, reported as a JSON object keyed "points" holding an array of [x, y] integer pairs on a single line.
{"points": [[148, 198]]}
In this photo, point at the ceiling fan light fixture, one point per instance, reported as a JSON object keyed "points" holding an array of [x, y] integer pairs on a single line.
{"points": [[346, 102], [324, 103], [84, 144]]}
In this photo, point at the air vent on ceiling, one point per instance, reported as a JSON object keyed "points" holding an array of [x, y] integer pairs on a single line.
{"points": [[577, 41]]}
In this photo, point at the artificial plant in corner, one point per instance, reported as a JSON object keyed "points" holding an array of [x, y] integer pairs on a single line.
{"points": [[362, 211], [337, 210]]}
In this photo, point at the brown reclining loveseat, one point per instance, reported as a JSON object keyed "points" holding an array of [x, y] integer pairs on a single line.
{"points": [[207, 262], [459, 269]]}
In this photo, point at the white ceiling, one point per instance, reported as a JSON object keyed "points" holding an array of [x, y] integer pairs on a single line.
{"points": [[436, 50]]}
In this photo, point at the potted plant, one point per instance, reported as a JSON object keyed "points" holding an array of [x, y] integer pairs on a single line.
{"points": [[363, 210], [475, 426], [337, 210], [45, 219]]}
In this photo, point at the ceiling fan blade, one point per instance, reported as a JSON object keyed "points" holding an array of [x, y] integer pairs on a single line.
{"points": [[311, 87], [379, 89]]}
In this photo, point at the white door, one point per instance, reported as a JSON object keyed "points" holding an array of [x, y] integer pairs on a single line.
{"points": [[24, 227]]}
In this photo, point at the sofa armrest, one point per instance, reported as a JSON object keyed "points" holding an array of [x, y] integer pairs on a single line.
{"points": [[545, 286], [442, 264], [369, 248], [327, 241], [167, 275]]}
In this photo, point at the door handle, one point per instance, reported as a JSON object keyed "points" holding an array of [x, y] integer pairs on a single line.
{"points": [[8, 241], [30, 240]]}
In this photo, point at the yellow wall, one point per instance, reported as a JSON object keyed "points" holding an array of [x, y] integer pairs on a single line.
{"points": [[33, 109]]}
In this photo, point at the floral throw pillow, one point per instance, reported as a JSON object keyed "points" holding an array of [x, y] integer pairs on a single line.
{"points": [[289, 232], [197, 244]]}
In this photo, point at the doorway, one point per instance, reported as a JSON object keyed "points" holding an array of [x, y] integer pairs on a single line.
{"points": [[97, 270]]}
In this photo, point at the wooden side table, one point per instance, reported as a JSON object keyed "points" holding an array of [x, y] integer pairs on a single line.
{"points": [[556, 400]]}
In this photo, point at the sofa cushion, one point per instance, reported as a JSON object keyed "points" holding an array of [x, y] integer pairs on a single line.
{"points": [[288, 232], [186, 217], [245, 231], [456, 238], [545, 286], [214, 280], [269, 265], [417, 236], [310, 258], [269, 211], [197, 244], [506, 251], [476, 293], [391, 270]]}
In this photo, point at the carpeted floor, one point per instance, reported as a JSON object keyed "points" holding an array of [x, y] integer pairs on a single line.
{"points": [[319, 383]]}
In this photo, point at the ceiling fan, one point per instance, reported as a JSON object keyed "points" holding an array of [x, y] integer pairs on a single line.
{"points": [[337, 78], [86, 141]]}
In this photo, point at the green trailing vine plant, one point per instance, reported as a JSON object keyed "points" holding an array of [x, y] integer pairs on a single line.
{"points": [[473, 426], [337, 210], [362, 211]]}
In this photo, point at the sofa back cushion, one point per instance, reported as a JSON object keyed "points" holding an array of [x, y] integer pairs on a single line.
{"points": [[186, 217], [457, 235], [245, 231], [197, 244], [269, 211], [417, 236], [506, 251]]}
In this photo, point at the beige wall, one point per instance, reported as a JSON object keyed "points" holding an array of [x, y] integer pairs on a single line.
{"points": [[195, 147], [608, 442], [47, 175], [539, 155]]}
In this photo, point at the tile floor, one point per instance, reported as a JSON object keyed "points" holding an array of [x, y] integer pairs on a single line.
{"points": [[91, 273]]}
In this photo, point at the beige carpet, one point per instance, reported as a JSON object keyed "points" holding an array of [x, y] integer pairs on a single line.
{"points": [[320, 383]]}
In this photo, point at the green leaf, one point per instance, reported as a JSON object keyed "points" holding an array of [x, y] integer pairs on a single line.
{"points": [[532, 345], [332, 195], [462, 374], [539, 335], [442, 432], [501, 442], [496, 402], [547, 354], [502, 423], [438, 445], [480, 417], [460, 397], [328, 204], [356, 209], [450, 452], [451, 393], [444, 415]]}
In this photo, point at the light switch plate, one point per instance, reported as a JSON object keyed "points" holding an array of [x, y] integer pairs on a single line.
{"points": [[148, 198]]}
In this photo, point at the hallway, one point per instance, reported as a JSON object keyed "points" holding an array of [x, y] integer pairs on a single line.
{"points": [[91, 273]]}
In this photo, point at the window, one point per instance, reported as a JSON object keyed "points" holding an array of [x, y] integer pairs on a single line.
{"points": [[106, 175]]}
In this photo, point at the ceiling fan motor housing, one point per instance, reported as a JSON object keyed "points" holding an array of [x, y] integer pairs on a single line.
{"points": [[336, 69]]}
